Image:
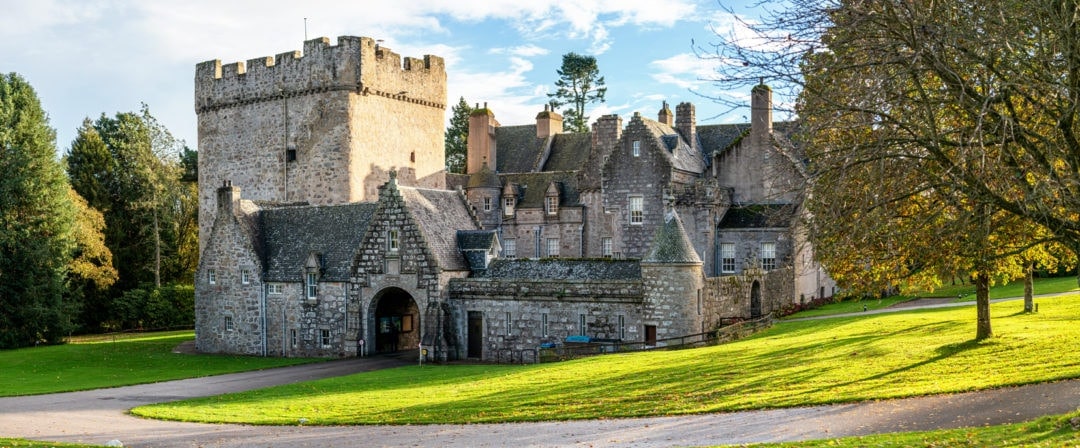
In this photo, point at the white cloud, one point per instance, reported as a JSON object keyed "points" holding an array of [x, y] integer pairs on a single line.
{"points": [[685, 70], [529, 50]]}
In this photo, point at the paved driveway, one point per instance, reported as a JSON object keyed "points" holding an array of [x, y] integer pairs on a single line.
{"points": [[98, 416]]}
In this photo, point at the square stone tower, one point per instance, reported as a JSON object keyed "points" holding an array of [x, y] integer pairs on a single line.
{"points": [[325, 126]]}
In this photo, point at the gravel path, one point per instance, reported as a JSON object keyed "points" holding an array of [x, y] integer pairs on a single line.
{"points": [[98, 416]]}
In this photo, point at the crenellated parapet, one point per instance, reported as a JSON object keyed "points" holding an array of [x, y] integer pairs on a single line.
{"points": [[357, 64]]}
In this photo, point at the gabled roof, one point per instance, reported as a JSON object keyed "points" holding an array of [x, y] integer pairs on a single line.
{"points": [[291, 234], [564, 269], [569, 151], [757, 216], [681, 155], [475, 246], [719, 137], [671, 245], [518, 149], [532, 187], [438, 213]]}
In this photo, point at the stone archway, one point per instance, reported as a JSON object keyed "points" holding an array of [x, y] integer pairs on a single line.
{"points": [[755, 300], [397, 321]]}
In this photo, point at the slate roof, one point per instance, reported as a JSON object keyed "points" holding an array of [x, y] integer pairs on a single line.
{"points": [[671, 245], [563, 269], [438, 213], [290, 234], [719, 137], [569, 151], [475, 245], [532, 187], [757, 216], [681, 155], [518, 148], [484, 178]]}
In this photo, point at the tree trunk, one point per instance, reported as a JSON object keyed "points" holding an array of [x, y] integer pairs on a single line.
{"points": [[982, 305], [1029, 274], [157, 250]]}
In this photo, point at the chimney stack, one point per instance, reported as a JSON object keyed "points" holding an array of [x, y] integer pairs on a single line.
{"points": [[760, 115], [228, 198], [665, 115], [481, 143], [686, 123], [548, 123]]}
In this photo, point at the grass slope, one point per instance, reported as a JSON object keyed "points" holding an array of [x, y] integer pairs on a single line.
{"points": [[793, 364], [92, 363], [23, 443], [967, 292]]}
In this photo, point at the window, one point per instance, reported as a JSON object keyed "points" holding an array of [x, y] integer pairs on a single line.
{"points": [[699, 303], [274, 288], [487, 204], [727, 257], [509, 248], [581, 324], [324, 338], [211, 276], [508, 323], [508, 206], [768, 256], [605, 247], [551, 204], [312, 286], [543, 325], [245, 276], [393, 240], [636, 145], [622, 327], [637, 210], [292, 337], [229, 323], [553, 247]]}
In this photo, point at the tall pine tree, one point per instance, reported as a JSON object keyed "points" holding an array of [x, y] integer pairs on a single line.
{"points": [[36, 219], [457, 137], [579, 84]]}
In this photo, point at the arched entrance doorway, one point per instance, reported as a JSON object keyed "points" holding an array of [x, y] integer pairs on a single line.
{"points": [[755, 300], [397, 321]]}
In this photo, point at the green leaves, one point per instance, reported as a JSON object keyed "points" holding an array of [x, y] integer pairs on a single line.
{"points": [[579, 84]]}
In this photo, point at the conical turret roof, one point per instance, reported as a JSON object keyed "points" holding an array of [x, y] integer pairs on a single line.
{"points": [[671, 244]]}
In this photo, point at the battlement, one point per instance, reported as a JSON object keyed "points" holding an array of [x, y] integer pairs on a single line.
{"points": [[357, 64]]}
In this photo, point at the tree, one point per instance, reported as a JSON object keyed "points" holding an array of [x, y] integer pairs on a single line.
{"points": [[457, 137], [36, 218], [579, 84], [970, 104], [91, 272]]}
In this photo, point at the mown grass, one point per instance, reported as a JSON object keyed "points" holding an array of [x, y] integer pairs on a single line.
{"points": [[793, 364], [92, 363], [962, 292], [22, 443], [1049, 431]]}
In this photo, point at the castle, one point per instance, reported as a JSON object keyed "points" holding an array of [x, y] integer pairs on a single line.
{"points": [[329, 227]]}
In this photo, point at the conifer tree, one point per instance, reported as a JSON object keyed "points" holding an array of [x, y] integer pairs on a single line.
{"points": [[579, 84], [457, 137], [36, 218]]}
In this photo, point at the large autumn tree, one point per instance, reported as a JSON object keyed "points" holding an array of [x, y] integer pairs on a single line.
{"points": [[969, 105], [36, 219]]}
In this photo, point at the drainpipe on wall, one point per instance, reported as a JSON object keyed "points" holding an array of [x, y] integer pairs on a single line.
{"points": [[262, 314]]}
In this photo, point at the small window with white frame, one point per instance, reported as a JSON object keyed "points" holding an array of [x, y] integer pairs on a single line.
{"points": [[551, 204], [553, 247], [324, 338], [768, 256], [727, 258], [509, 323], [229, 326], [211, 276], [393, 240], [637, 210], [508, 206], [635, 148], [245, 276], [544, 325], [509, 248], [274, 288], [487, 204], [312, 285], [605, 247], [581, 324]]}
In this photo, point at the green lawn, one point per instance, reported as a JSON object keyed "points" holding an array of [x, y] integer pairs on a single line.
{"points": [[1050, 431], [963, 292], [793, 364], [21, 443], [92, 363]]}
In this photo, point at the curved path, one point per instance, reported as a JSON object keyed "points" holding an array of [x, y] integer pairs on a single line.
{"points": [[98, 416]]}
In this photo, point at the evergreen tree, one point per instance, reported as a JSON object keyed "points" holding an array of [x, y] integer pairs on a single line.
{"points": [[457, 137], [36, 218], [579, 84]]}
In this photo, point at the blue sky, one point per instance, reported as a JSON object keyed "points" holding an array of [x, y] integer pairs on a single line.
{"points": [[88, 57]]}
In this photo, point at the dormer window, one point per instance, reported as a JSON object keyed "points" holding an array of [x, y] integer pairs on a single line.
{"points": [[636, 148], [312, 286], [551, 205], [508, 206]]}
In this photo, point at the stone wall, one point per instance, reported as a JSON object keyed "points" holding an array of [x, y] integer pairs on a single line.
{"points": [[291, 313], [727, 298], [318, 127], [646, 175], [673, 298]]}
